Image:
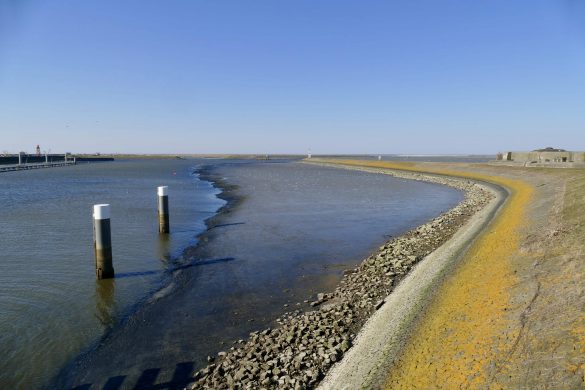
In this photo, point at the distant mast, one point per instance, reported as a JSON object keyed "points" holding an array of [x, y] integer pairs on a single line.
{"points": [[38, 150]]}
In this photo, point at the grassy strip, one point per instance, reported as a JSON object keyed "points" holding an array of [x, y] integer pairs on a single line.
{"points": [[572, 242]]}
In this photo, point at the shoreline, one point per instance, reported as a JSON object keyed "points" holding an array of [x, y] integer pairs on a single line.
{"points": [[228, 192], [306, 344]]}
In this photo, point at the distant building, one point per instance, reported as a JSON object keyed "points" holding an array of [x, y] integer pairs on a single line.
{"points": [[546, 156]]}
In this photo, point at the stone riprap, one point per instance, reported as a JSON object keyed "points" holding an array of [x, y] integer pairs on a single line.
{"points": [[299, 352]]}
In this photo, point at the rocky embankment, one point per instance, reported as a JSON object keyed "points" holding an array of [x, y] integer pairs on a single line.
{"points": [[298, 352]]}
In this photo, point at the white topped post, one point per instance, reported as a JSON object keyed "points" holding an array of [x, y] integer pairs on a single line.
{"points": [[163, 209], [102, 238]]}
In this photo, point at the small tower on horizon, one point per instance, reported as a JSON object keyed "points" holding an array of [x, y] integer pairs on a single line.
{"points": [[309, 155], [38, 150], [379, 157]]}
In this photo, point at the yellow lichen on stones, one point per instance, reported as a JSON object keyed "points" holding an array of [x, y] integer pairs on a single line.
{"points": [[466, 329]]}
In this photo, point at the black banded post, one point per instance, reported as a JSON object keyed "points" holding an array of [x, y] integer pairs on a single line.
{"points": [[163, 210], [102, 237]]}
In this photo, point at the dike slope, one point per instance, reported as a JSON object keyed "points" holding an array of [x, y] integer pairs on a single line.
{"points": [[466, 326]]}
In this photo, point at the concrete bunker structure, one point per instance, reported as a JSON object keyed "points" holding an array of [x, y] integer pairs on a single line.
{"points": [[543, 157]]}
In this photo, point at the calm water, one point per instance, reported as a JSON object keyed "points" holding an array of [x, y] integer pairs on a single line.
{"points": [[50, 304], [296, 229]]}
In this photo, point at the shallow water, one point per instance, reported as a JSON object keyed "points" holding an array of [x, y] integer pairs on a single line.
{"points": [[295, 230], [51, 307]]}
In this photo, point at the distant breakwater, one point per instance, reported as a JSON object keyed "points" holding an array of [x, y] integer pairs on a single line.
{"points": [[52, 158], [26, 167]]}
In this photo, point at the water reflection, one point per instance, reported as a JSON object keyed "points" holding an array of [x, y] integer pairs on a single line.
{"points": [[105, 304], [163, 248], [29, 201]]}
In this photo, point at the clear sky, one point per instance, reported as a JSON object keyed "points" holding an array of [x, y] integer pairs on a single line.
{"points": [[279, 76]]}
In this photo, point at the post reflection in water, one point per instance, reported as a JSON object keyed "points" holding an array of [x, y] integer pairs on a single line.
{"points": [[163, 249], [105, 303]]}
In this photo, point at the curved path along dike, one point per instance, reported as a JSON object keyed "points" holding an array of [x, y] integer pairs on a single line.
{"points": [[384, 336], [512, 312], [488, 295]]}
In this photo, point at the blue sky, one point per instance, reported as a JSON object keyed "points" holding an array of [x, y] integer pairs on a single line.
{"points": [[425, 76]]}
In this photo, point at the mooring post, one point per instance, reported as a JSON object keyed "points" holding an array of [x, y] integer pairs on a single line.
{"points": [[46, 158], [20, 154], [163, 210], [102, 237]]}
